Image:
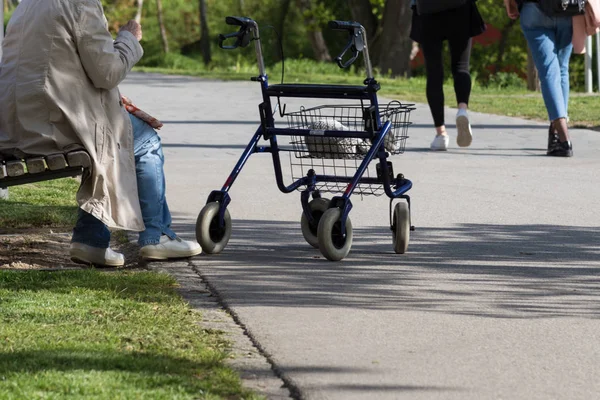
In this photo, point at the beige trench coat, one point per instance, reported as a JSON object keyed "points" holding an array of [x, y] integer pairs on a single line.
{"points": [[58, 92]]}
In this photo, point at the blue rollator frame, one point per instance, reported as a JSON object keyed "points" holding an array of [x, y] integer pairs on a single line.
{"points": [[317, 134]]}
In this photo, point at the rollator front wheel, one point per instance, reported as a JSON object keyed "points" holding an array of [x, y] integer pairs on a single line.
{"points": [[401, 227], [317, 209], [212, 237], [333, 243]]}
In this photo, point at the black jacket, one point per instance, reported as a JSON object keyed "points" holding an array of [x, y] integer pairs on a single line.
{"points": [[461, 22]]}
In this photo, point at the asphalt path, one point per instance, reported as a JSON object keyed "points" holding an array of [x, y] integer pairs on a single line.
{"points": [[498, 296]]}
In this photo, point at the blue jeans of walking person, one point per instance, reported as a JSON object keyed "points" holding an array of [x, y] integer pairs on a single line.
{"points": [[550, 41], [149, 161]]}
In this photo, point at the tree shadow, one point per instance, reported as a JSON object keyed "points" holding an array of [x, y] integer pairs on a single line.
{"points": [[501, 271]]}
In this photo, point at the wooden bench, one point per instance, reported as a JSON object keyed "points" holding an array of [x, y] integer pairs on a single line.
{"points": [[38, 168]]}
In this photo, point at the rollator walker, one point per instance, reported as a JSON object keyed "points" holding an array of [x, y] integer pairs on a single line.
{"points": [[330, 148]]}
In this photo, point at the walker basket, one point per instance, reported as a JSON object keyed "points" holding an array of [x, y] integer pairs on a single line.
{"points": [[341, 155], [347, 118]]}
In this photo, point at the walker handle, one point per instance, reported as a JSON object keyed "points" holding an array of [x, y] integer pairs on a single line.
{"points": [[243, 36]]}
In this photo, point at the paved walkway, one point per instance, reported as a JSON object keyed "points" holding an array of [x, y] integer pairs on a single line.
{"points": [[497, 297]]}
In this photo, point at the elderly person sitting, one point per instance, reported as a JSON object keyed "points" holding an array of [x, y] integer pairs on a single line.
{"points": [[58, 90]]}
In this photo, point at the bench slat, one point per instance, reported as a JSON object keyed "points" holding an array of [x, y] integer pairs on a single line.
{"points": [[79, 158], [35, 165], [56, 162], [15, 168]]}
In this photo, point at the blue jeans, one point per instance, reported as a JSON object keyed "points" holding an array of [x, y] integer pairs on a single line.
{"points": [[549, 39], [149, 161]]}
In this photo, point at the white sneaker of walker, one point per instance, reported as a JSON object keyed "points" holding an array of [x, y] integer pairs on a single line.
{"points": [[170, 248], [84, 254], [440, 143], [464, 135]]}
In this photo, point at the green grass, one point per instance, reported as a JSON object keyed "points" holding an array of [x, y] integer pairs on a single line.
{"points": [[94, 335], [42, 204], [510, 101]]}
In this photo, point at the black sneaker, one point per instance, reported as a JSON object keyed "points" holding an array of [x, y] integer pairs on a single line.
{"points": [[563, 149], [553, 140]]}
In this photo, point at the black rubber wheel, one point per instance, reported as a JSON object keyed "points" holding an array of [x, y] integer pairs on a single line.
{"points": [[332, 243], [401, 227], [317, 209], [212, 237]]}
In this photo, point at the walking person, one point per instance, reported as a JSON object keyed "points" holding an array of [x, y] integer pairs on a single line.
{"points": [[433, 23], [550, 40], [59, 92]]}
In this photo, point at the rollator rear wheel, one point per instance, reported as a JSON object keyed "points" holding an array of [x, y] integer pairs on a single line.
{"points": [[317, 209], [333, 243], [212, 237], [401, 227]]}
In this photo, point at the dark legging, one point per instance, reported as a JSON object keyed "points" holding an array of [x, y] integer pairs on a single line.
{"points": [[460, 53]]}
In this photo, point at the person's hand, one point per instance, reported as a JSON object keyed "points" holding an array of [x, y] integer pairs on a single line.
{"points": [[511, 9], [134, 28]]}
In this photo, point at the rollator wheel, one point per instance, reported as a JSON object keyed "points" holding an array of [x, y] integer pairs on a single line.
{"points": [[212, 237], [317, 208], [401, 227], [333, 244]]}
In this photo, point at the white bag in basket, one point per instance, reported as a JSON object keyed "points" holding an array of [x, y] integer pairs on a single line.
{"points": [[332, 147]]}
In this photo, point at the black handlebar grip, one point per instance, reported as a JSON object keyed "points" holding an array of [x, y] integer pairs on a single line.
{"points": [[344, 25], [239, 21]]}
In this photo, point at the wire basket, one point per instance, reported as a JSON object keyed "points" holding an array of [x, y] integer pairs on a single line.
{"points": [[340, 156]]}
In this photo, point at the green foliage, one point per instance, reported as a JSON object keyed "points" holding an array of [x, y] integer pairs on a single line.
{"points": [[182, 23], [503, 80]]}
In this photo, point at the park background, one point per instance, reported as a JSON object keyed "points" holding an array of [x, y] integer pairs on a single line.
{"points": [[180, 37]]}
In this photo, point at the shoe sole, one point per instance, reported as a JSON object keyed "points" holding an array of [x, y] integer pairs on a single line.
{"points": [[435, 149], [465, 135], [160, 257], [78, 260]]}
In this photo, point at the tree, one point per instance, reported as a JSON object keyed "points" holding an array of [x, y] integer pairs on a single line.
{"points": [[388, 37], [315, 35], [138, 15], [161, 24], [205, 36]]}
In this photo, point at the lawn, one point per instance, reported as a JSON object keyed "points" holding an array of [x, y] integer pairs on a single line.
{"points": [[509, 101], [98, 335], [37, 205]]}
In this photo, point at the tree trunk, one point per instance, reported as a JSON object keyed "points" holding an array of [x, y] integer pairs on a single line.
{"points": [[315, 35], [394, 47], [285, 8], [205, 38], [161, 24], [138, 15], [362, 12], [533, 81], [2, 28]]}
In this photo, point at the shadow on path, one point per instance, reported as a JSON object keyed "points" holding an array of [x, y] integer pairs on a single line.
{"points": [[503, 271]]}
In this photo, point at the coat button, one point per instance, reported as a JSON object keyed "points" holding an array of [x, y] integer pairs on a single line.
{"points": [[119, 146]]}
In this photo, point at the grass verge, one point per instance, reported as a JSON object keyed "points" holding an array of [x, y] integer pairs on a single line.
{"points": [[94, 335], [37, 205], [511, 101]]}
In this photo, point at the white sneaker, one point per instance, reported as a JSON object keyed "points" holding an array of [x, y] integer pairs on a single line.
{"points": [[83, 254], [463, 128], [440, 143], [170, 248]]}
